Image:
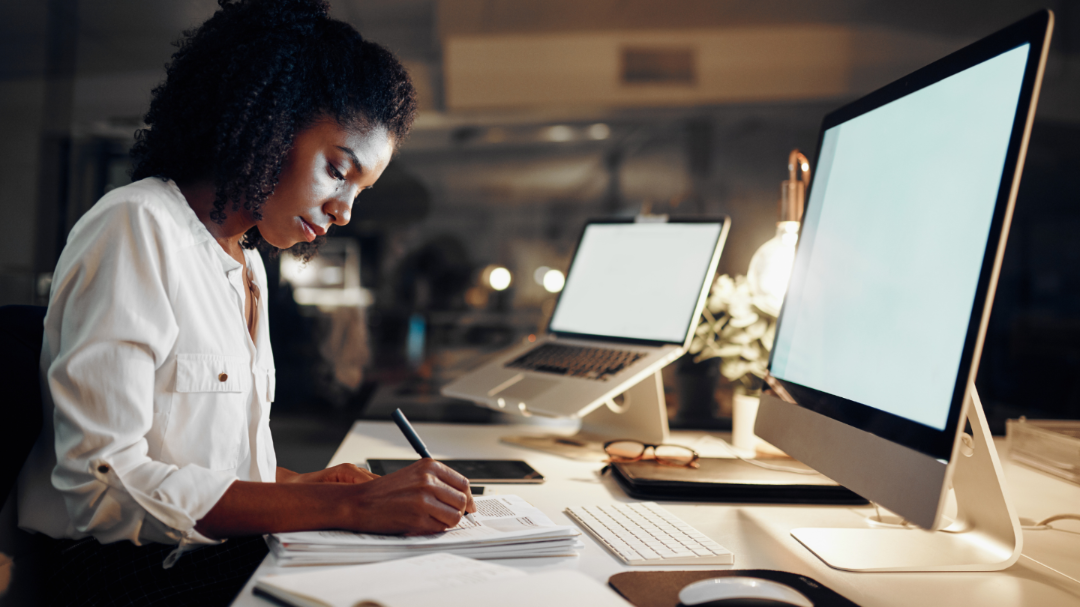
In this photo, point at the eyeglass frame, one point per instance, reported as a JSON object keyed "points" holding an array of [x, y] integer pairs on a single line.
{"points": [[693, 463]]}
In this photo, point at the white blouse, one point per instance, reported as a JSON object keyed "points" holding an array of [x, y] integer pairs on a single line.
{"points": [[156, 398]]}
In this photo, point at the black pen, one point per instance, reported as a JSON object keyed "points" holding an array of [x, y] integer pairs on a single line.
{"points": [[410, 434], [417, 444]]}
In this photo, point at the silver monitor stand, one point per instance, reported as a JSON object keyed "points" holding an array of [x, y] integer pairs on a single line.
{"points": [[984, 535]]}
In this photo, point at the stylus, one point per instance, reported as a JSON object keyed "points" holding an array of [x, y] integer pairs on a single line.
{"points": [[410, 434]]}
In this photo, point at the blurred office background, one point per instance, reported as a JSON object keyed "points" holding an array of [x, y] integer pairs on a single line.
{"points": [[536, 115]]}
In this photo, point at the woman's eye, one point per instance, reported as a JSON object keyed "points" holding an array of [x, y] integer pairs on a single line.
{"points": [[336, 174]]}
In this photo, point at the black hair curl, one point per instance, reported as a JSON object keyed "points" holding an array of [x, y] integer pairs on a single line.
{"points": [[246, 81]]}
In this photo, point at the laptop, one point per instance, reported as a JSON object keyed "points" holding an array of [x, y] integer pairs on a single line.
{"points": [[632, 298]]}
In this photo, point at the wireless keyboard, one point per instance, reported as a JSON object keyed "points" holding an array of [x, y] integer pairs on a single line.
{"points": [[647, 534]]}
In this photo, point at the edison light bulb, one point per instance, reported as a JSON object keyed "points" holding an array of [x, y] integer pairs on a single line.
{"points": [[770, 268]]}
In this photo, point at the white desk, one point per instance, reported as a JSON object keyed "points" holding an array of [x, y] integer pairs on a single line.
{"points": [[758, 535]]}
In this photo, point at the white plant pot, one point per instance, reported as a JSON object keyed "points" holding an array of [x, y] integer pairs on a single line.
{"points": [[743, 416]]}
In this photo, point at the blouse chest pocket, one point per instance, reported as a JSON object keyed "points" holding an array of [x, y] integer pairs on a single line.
{"points": [[208, 419], [212, 373]]}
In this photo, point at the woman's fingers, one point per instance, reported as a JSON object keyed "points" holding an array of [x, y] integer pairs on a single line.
{"points": [[424, 497], [351, 473], [342, 473], [445, 514], [448, 486], [459, 483]]}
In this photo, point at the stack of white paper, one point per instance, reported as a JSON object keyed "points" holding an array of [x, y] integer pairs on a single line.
{"points": [[504, 526]]}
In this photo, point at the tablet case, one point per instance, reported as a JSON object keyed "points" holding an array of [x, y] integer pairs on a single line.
{"points": [[729, 480], [661, 588]]}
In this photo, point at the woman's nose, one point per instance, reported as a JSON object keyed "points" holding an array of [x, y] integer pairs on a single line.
{"points": [[339, 210]]}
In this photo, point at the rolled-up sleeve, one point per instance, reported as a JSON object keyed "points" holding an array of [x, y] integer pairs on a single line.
{"points": [[114, 329]]}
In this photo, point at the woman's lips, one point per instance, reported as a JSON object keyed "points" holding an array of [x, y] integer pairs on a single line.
{"points": [[310, 231]]}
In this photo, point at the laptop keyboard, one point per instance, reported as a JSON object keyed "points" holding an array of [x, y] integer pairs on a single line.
{"points": [[576, 361]]}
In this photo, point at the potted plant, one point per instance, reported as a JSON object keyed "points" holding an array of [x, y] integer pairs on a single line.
{"points": [[738, 329]]}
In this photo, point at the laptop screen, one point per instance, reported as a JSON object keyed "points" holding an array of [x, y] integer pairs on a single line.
{"points": [[638, 281]]}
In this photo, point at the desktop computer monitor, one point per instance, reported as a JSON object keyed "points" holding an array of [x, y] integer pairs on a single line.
{"points": [[878, 341]]}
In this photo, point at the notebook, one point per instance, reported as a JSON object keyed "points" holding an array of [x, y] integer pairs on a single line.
{"points": [[435, 579]]}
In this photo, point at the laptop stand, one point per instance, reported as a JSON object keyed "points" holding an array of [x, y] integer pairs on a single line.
{"points": [[641, 415]]}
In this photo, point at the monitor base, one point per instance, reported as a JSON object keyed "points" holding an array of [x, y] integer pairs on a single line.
{"points": [[985, 536], [642, 415]]}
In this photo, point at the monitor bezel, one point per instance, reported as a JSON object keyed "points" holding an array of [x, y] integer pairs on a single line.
{"points": [[722, 220], [936, 443]]}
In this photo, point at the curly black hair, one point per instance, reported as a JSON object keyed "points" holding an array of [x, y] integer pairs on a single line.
{"points": [[246, 81]]}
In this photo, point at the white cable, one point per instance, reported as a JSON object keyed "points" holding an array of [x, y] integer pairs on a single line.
{"points": [[1062, 574], [1057, 517], [1045, 524]]}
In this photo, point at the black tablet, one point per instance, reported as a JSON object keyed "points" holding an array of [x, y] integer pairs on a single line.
{"points": [[476, 470]]}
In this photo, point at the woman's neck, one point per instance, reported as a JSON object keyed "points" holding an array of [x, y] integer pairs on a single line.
{"points": [[200, 197]]}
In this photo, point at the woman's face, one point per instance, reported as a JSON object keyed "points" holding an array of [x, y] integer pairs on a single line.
{"points": [[324, 172]]}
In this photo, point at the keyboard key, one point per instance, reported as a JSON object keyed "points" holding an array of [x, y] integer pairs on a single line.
{"points": [[576, 361]]}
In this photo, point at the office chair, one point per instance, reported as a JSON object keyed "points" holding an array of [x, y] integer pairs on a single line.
{"points": [[21, 328]]}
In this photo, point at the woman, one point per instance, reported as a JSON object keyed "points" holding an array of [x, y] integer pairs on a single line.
{"points": [[272, 120]]}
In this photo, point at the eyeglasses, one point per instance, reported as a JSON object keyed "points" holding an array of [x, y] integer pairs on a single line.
{"points": [[628, 450]]}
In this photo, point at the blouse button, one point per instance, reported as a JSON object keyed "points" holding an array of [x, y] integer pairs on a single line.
{"points": [[103, 469], [223, 377]]}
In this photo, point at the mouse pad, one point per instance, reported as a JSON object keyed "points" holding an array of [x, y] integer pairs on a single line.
{"points": [[661, 588]]}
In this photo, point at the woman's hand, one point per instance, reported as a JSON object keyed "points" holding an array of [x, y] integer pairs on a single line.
{"points": [[425, 497], [342, 473]]}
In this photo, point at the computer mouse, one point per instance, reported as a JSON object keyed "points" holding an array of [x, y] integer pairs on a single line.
{"points": [[729, 590]]}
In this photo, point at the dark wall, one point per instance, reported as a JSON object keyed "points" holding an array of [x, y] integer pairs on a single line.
{"points": [[1031, 359]]}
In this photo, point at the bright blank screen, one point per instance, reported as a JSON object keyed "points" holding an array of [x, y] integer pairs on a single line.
{"points": [[637, 280], [896, 229]]}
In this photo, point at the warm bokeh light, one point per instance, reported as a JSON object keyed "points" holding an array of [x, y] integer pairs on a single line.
{"points": [[499, 278], [296, 272], [599, 131], [538, 275], [477, 297], [554, 281], [560, 132]]}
